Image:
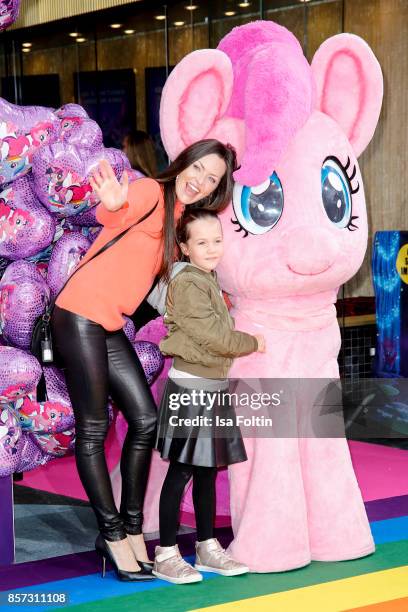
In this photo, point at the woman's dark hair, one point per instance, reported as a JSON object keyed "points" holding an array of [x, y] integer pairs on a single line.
{"points": [[140, 152], [183, 227], [217, 201]]}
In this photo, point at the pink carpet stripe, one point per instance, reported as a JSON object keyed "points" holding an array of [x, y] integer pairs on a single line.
{"points": [[381, 471], [61, 476]]}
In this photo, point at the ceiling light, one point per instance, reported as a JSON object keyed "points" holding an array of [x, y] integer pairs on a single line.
{"points": [[26, 50], [27, 45], [74, 34], [179, 23], [81, 39], [160, 17], [229, 13], [244, 4], [304, 0], [129, 31], [115, 26], [191, 7]]}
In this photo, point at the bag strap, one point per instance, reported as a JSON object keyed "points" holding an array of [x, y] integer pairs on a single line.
{"points": [[104, 248]]}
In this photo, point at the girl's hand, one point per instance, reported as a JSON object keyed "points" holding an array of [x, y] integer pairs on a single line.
{"points": [[111, 193], [261, 343]]}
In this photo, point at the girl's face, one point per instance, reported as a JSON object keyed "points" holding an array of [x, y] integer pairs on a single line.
{"points": [[200, 179], [205, 245]]}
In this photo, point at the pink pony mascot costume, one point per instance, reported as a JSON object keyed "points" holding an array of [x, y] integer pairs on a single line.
{"points": [[295, 231]]}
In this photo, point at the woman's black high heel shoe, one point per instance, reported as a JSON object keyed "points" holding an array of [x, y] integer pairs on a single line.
{"points": [[146, 566], [104, 552]]}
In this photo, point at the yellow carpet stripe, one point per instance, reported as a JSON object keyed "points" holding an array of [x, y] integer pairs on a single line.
{"points": [[334, 596]]}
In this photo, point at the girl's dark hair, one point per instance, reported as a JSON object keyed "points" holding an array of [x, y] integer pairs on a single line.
{"points": [[217, 201], [183, 227], [140, 152]]}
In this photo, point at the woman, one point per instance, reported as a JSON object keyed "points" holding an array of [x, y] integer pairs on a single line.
{"points": [[87, 326], [139, 149]]}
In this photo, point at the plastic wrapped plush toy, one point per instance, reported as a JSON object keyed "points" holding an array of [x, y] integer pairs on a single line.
{"points": [[9, 10], [25, 226], [23, 129], [295, 231]]}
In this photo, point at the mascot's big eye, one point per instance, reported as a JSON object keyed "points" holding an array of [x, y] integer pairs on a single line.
{"points": [[337, 192], [258, 208]]}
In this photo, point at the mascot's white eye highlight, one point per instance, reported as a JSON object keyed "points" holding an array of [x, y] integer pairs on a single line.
{"points": [[259, 208], [337, 193]]}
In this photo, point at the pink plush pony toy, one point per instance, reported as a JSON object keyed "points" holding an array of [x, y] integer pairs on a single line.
{"points": [[295, 231]]}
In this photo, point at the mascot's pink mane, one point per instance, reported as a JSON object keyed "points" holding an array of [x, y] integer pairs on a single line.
{"points": [[272, 79]]}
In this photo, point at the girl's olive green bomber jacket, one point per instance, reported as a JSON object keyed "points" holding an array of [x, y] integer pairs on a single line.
{"points": [[201, 334]]}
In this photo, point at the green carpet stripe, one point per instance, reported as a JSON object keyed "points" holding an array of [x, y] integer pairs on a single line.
{"points": [[223, 590]]}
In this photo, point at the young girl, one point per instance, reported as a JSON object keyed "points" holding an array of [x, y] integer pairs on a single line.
{"points": [[203, 343]]}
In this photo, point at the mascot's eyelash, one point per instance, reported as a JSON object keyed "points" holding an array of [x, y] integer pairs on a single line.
{"points": [[351, 226], [240, 228], [346, 169]]}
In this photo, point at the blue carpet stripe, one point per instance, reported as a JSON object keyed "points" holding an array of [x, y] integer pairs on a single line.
{"points": [[390, 530]]}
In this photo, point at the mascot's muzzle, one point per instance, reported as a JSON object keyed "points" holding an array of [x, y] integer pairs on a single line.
{"points": [[310, 250]]}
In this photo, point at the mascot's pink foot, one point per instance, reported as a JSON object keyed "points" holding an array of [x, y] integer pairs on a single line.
{"points": [[338, 524], [306, 513]]}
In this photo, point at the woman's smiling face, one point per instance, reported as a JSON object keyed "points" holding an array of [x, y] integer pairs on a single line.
{"points": [[200, 179]]}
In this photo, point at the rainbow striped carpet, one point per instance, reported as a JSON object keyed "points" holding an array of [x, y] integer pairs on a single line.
{"points": [[376, 583]]}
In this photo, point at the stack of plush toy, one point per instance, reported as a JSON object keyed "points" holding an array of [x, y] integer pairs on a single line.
{"points": [[47, 223]]}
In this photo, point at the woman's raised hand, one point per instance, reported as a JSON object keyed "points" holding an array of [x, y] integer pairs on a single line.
{"points": [[111, 193]]}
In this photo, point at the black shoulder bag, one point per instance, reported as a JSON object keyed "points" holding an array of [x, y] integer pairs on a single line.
{"points": [[41, 340]]}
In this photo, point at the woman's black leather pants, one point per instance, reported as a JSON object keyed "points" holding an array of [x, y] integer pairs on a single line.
{"points": [[97, 364]]}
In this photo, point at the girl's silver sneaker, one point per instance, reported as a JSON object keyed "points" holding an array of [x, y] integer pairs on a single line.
{"points": [[211, 557], [169, 565]]}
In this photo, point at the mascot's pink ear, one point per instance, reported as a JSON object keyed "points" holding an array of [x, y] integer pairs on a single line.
{"points": [[349, 86], [194, 99]]}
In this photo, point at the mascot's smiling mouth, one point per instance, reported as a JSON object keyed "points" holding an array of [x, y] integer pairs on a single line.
{"points": [[309, 273]]}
